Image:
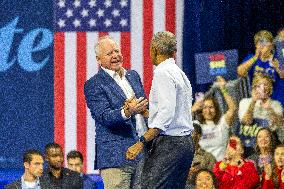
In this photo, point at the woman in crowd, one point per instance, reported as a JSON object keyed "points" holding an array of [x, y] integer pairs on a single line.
{"points": [[215, 127], [263, 62], [201, 158], [265, 145], [204, 179], [260, 109], [273, 175], [234, 172]]}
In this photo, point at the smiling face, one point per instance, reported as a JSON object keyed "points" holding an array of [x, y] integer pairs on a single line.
{"points": [[55, 158], [209, 110], [279, 157], [263, 139], [109, 56], [204, 181]]}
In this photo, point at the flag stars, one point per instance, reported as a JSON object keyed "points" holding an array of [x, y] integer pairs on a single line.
{"points": [[77, 3], [69, 13], [61, 3], [85, 12], [100, 13], [76, 23], [123, 3], [61, 23], [107, 23], [115, 13], [92, 23], [107, 3], [92, 3], [123, 22]]}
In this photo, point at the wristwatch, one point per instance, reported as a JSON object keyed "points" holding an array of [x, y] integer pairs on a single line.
{"points": [[143, 140]]}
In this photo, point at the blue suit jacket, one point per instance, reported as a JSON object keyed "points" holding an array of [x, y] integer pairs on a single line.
{"points": [[114, 135]]}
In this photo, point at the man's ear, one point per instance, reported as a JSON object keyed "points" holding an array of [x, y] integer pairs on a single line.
{"points": [[98, 60], [26, 165]]}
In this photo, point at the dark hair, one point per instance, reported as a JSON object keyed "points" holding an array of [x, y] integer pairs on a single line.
{"points": [[75, 154], [50, 146], [208, 171], [273, 140], [28, 155], [217, 110], [197, 129], [274, 168]]}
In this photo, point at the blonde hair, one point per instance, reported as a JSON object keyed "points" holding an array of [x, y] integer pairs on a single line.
{"points": [[258, 77], [263, 34]]}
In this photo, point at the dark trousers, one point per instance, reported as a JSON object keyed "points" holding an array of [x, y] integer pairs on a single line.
{"points": [[168, 163]]}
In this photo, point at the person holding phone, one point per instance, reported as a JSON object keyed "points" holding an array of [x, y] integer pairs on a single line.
{"points": [[260, 109]]}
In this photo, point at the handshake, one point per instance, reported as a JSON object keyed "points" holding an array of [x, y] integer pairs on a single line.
{"points": [[135, 106]]}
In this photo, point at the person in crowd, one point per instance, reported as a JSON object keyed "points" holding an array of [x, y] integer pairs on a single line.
{"points": [[33, 164], [260, 110], [273, 175], [201, 158], [234, 171], [56, 176], [117, 102], [75, 163], [264, 147], [203, 179], [279, 56], [215, 127], [263, 62], [169, 120]]}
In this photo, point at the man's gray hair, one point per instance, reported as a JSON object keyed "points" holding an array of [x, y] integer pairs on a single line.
{"points": [[165, 42], [97, 45]]}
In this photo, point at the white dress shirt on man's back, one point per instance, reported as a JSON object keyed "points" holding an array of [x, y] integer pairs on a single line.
{"points": [[170, 100]]}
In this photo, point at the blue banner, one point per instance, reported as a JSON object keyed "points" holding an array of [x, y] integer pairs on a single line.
{"points": [[26, 78], [209, 65]]}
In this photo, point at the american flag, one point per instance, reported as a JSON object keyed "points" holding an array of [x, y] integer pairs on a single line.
{"points": [[78, 25]]}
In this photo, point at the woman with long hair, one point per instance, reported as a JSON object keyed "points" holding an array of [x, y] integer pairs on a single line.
{"points": [[214, 125]]}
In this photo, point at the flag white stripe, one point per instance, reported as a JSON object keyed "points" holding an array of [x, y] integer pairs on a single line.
{"points": [[70, 92], [92, 69], [179, 30], [116, 37], [159, 15], [137, 37]]}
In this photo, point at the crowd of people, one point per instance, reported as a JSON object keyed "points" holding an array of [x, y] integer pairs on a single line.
{"points": [[167, 142]]}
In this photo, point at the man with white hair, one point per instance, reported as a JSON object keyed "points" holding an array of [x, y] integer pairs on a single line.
{"points": [[117, 102], [170, 122]]}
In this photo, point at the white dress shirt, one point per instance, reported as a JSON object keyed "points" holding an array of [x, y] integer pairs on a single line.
{"points": [[170, 100], [141, 127]]}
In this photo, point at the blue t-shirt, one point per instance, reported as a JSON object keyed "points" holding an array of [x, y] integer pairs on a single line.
{"points": [[267, 68]]}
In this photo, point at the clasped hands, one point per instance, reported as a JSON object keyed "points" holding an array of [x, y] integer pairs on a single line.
{"points": [[135, 106]]}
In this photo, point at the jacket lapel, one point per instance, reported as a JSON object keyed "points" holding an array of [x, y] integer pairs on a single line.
{"points": [[131, 80], [111, 82]]}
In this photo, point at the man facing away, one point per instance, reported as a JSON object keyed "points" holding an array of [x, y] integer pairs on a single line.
{"points": [[33, 164], [117, 103], [170, 121], [56, 176], [75, 163]]}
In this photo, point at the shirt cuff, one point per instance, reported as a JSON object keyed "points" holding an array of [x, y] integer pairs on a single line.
{"points": [[123, 114]]}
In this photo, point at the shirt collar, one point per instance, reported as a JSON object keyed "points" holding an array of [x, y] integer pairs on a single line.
{"points": [[24, 186], [112, 73], [165, 62]]}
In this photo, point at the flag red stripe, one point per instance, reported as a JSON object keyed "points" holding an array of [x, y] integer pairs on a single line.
{"points": [[147, 36], [171, 15], [125, 49], [59, 45], [101, 34], [81, 105]]}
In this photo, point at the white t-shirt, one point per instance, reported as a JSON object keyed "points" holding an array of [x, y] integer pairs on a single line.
{"points": [[258, 111], [215, 138]]}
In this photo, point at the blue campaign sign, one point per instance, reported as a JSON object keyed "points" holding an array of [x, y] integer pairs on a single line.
{"points": [[26, 78], [279, 53], [208, 65]]}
